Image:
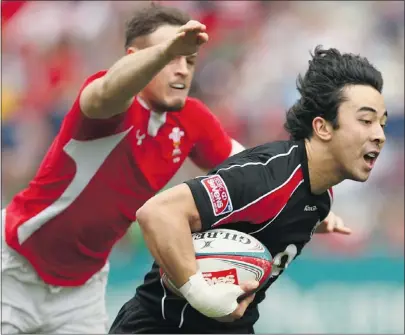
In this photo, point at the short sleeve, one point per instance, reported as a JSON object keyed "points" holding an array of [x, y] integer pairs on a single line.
{"points": [[84, 128], [251, 192], [213, 144]]}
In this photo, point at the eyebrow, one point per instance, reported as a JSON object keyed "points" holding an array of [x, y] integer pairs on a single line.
{"points": [[370, 109]]}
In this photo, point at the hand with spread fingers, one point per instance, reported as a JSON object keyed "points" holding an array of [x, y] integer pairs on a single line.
{"points": [[333, 224]]}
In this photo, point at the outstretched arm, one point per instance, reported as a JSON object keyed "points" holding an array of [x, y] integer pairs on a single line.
{"points": [[112, 94]]}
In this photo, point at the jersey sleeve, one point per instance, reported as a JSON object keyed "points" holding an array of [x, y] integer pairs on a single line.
{"points": [[213, 145], [253, 193], [84, 128]]}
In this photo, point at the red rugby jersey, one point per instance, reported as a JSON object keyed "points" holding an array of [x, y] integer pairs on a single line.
{"points": [[95, 176]]}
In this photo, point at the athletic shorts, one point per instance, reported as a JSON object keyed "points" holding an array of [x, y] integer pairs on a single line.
{"points": [[134, 318], [29, 305]]}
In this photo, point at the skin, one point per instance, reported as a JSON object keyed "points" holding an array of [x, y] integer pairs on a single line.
{"points": [[333, 155], [158, 94], [338, 154], [114, 92]]}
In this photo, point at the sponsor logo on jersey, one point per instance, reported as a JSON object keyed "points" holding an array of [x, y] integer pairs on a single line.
{"points": [[176, 136], [224, 276], [310, 208], [140, 137], [219, 195]]}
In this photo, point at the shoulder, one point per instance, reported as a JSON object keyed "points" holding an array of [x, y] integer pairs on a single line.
{"points": [[78, 126], [264, 167], [192, 102], [93, 77], [194, 108], [197, 117], [271, 155], [86, 82]]}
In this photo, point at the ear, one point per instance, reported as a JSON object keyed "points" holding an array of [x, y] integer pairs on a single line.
{"points": [[322, 128], [131, 50]]}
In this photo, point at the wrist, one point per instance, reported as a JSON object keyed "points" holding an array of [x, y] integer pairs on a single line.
{"points": [[195, 282], [166, 51]]}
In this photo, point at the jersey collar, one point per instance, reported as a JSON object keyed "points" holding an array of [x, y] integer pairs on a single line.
{"points": [[156, 120], [304, 164]]}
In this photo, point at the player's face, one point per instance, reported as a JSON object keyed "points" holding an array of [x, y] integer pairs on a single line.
{"points": [[360, 136], [169, 89]]}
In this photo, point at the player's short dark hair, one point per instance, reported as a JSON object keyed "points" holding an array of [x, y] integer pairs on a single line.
{"points": [[146, 20], [321, 88]]}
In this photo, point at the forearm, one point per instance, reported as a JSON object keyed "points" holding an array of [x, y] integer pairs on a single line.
{"points": [[133, 72], [166, 221], [172, 248]]}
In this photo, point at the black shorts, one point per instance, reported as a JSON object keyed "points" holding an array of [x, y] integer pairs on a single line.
{"points": [[133, 318]]}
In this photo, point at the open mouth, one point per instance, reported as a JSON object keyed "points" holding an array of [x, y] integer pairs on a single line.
{"points": [[178, 86], [370, 158]]}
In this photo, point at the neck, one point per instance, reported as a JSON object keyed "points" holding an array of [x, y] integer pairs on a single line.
{"points": [[322, 167], [145, 103]]}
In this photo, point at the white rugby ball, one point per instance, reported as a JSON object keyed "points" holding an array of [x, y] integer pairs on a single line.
{"points": [[228, 256]]}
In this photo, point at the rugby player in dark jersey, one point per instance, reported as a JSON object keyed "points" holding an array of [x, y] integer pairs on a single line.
{"points": [[280, 193]]}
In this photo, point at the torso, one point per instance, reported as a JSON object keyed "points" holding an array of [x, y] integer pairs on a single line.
{"points": [[283, 215], [89, 186]]}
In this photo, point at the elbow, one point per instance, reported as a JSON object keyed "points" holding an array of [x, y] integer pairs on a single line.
{"points": [[149, 214], [105, 94], [144, 214]]}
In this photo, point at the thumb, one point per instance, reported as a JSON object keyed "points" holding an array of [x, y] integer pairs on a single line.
{"points": [[249, 286]]}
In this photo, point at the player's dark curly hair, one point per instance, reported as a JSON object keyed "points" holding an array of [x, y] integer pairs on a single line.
{"points": [[321, 88], [146, 20]]}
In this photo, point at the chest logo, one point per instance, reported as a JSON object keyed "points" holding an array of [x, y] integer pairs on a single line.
{"points": [[310, 208], [140, 137], [176, 136]]}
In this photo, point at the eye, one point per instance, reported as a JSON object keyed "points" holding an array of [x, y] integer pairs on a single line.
{"points": [[367, 122], [190, 62]]}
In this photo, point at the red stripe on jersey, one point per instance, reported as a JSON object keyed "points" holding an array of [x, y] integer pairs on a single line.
{"points": [[269, 205]]}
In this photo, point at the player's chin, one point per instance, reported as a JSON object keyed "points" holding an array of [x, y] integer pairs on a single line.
{"points": [[360, 176], [175, 104]]}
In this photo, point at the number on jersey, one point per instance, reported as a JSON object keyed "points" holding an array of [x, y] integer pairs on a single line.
{"points": [[283, 259]]}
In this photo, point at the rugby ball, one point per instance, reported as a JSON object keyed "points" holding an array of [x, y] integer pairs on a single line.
{"points": [[228, 256]]}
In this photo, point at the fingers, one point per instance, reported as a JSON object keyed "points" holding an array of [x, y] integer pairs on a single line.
{"points": [[335, 224], [249, 286], [192, 26], [243, 288], [343, 230], [330, 222], [202, 38], [243, 305]]}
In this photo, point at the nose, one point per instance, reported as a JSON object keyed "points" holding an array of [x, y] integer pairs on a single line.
{"points": [[379, 135], [181, 67]]}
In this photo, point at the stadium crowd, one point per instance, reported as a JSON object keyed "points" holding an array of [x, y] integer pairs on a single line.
{"points": [[246, 74]]}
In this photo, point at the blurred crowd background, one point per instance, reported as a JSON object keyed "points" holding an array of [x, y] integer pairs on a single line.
{"points": [[246, 74]]}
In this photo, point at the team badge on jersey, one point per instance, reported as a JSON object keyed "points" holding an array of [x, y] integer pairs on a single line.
{"points": [[176, 136], [219, 195]]}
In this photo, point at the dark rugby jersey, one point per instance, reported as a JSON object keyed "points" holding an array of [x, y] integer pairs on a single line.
{"points": [[263, 191]]}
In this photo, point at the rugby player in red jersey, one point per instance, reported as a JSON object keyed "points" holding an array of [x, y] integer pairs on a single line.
{"points": [[127, 133]]}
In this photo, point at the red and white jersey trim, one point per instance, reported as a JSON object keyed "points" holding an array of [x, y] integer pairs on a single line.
{"points": [[88, 157]]}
